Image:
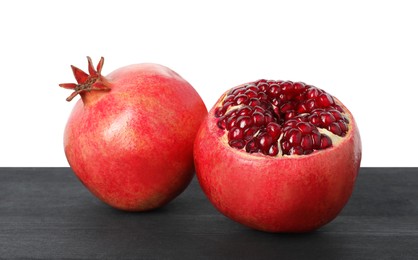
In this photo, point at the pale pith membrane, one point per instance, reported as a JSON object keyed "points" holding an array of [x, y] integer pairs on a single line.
{"points": [[281, 118]]}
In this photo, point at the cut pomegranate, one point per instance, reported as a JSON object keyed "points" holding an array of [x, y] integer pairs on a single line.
{"points": [[278, 156]]}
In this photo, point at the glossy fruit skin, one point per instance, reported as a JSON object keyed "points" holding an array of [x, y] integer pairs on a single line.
{"points": [[132, 146], [287, 194]]}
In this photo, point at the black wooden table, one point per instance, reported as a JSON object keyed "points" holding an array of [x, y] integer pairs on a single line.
{"points": [[46, 213]]}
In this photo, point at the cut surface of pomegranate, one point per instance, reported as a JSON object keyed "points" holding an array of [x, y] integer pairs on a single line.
{"points": [[278, 156], [279, 118]]}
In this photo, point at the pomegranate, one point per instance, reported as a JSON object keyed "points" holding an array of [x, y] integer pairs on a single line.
{"points": [[129, 139], [278, 156]]}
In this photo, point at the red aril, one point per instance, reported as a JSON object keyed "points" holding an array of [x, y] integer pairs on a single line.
{"points": [[296, 169], [129, 139]]}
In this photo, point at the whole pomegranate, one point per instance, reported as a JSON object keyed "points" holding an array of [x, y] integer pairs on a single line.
{"points": [[129, 139], [278, 156]]}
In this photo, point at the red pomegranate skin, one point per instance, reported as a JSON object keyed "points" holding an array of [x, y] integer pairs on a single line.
{"points": [[132, 146], [290, 194]]}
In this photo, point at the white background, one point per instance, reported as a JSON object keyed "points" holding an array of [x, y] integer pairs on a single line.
{"points": [[363, 52]]}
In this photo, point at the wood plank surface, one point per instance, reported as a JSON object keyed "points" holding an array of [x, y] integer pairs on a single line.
{"points": [[46, 213]]}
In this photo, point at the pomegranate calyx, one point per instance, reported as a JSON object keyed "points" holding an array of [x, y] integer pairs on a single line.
{"points": [[86, 82]]}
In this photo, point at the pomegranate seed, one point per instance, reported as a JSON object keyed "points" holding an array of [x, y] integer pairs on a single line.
{"points": [[290, 114], [258, 118], [274, 150], [253, 102], [302, 108], [306, 143], [286, 147], [337, 115], [325, 100], [238, 91], [299, 87], [268, 117], [317, 111], [240, 99], [291, 123], [239, 144], [335, 128], [275, 102], [274, 130], [316, 140], [297, 150], [235, 134], [231, 113], [230, 122], [306, 152], [229, 98], [251, 87], [259, 109], [311, 104], [301, 118], [299, 97], [250, 93], [262, 96], [286, 87], [339, 108], [262, 86], [244, 122], [274, 90], [250, 132], [312, 93], [264, 142], [325, 142], [283, 98], [251, 147], [315, 120], [343, 126], [221, 123], [222, 110], [294, 136], [286, 107], [244, 111], [327, 118], [219, 112], [304, 127]]}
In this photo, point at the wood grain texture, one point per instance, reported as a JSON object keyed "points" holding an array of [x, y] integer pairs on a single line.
{"points": [[46, 213]]}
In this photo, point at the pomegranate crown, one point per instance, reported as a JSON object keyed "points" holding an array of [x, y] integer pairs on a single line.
{"points": [[86, 82]]}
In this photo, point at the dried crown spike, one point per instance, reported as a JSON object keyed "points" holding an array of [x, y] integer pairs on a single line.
{"points": [[86, 82]]}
